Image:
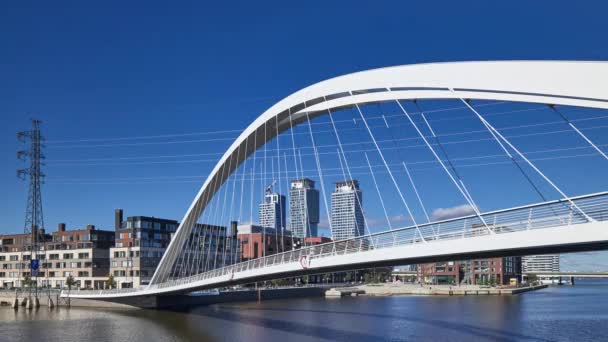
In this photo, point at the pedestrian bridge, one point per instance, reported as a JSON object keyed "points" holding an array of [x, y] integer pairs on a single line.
{"points": [[551, 227], [376, 126]]}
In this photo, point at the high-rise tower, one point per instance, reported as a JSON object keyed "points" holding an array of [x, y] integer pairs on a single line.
{"points": [[347, 219], [303, 208], [272, 210]]}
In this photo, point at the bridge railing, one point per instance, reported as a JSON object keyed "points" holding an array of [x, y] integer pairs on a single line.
{"points": [[535, 216]]}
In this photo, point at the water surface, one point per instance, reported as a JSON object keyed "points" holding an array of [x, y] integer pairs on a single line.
{"points": [[555, 314]]}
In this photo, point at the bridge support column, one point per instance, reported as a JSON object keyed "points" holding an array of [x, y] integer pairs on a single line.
{"points": [[29, 304], [571, 281]]}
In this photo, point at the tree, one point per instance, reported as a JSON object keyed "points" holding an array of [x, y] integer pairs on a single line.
{"points": [[110, 282], [69, 282], [532, 278], [27, 281], [348, 277], [280, 282]]}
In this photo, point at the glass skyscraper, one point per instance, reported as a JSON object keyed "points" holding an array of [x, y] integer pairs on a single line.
{"points": [[347, 219], [303, 208], [272, 211]]}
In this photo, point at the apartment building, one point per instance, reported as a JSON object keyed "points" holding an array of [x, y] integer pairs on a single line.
{"points": [[139, 247], [141, 242], [256, 241], [540, 263], [82, 254], [500, 271]]}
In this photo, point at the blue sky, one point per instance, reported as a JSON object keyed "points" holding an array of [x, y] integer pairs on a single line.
{"points": [[114, 70]]}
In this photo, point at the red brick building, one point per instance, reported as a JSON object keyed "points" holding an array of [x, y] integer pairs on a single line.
{"points": [[256, 242], [477, 271]]}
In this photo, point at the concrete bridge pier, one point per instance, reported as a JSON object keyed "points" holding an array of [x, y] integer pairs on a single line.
{"points": [[29, 304]]}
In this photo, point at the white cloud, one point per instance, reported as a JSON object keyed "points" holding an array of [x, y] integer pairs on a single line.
{"points": [[398, 220], [323, 223], [452, 212]]}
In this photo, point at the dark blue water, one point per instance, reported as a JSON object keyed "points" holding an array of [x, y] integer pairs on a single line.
{"points": [[564, 313]]}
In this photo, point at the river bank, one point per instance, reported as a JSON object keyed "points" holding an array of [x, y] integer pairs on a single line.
{"points": [[7, 299]]}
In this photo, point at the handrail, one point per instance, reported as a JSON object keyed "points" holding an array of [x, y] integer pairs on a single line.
{"points": [[533, 216]]}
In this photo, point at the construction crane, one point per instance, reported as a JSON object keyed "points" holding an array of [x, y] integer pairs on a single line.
{"points": [[269, 188]]}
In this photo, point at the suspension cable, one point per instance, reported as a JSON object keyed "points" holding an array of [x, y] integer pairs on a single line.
{"points": [[390, 173], [357, 197], [578, 131], [527, 160], [458, 185]]}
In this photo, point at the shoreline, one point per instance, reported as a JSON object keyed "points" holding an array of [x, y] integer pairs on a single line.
{"points": [[385, 290], [371, 290]]}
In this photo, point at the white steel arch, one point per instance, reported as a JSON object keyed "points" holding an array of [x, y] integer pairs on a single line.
{"points": [[569, 83]]}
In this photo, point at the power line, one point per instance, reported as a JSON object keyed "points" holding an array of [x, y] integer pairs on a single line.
{"points": [[77, 163], [159, 136], [144, 137], [200, 177], [327, 131], [198, 181]]}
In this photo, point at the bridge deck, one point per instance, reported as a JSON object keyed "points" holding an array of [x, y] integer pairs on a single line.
{"points": [[548, 226]]}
